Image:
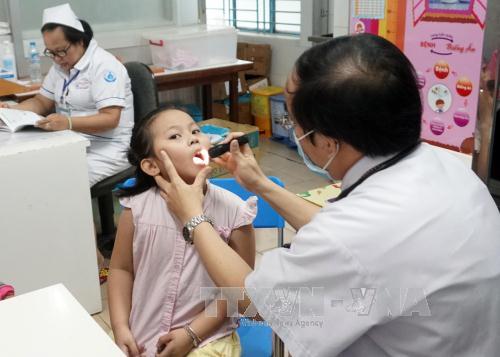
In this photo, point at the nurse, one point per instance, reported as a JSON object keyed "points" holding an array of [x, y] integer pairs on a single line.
{"points": [[89, 90], [405, 261]]}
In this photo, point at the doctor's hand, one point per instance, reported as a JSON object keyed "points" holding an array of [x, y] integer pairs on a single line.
{"points": [[185, 201], [53, 122], [241, 163], [176, 343]]}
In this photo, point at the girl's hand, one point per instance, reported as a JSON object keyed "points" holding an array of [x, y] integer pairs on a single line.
{"points": [[241, 163], [185, 201], [176, 343], [4, 105], [126, 342], [53, 122]]}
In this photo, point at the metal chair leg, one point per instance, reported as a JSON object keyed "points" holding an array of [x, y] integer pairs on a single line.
{"points": [[106, 212], [281, 237], [278, 346]]}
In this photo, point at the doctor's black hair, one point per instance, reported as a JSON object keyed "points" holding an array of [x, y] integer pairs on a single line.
{"points": [[141, 147], [71, 34], [359, 89]]}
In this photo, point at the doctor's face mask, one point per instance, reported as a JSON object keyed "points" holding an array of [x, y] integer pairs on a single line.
{"points": [[311, 165]]}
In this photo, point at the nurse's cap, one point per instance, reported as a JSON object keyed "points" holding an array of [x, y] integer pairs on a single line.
{"points": [[62, 15]]}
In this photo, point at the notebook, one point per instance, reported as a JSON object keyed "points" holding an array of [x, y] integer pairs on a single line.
{"points": [[13, 119]]}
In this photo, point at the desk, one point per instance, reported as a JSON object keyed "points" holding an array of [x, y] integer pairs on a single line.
{"points": [[8, 88], [46, 225], [205, 76], [50, 322]]}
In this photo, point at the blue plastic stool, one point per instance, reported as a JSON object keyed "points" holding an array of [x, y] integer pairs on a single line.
{"points": [[256, 338]]}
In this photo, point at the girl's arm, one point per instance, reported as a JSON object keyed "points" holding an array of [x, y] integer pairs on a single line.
{"points": [[120, 283], [242, 241]]}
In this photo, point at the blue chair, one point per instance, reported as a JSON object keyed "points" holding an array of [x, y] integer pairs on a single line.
{"points": [[257, 339], [267, 217]]}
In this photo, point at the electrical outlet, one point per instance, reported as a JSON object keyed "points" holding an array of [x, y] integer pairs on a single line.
{"points": [[40, 46]]}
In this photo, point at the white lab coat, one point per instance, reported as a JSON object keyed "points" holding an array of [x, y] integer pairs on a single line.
{"points": [[97, 81], [421, 237]]}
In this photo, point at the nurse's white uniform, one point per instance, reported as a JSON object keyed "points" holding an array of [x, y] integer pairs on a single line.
{"points": [[408, 264], [97, 81]]}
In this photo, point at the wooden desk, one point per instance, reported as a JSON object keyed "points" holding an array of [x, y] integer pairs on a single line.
{"points": [[47, 231], [50, 322], [8, 88], [205, 76]]}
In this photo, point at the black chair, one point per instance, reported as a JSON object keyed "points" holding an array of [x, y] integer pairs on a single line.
{"points": [[145, 100]]}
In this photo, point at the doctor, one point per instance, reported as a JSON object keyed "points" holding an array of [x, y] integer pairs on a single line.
{"points": [[89, 90], [405, 261]]}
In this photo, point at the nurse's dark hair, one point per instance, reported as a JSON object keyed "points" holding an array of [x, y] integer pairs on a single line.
{"points": [[359, 89], [141, 147], [71, 34]]}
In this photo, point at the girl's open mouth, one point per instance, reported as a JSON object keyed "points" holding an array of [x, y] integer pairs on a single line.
{"points": [[201, 157]]}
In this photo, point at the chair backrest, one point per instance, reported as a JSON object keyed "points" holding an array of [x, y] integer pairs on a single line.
{"points": [[143, 88], [267, 217]]}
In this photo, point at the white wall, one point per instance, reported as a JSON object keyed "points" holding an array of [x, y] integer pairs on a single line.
{"points": [[285, 50], [3, 10], [339, 17]]}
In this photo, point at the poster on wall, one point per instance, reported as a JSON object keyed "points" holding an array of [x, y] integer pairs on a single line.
{"points": [[443, 39]]}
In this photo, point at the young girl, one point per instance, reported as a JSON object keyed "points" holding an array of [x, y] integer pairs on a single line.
{"points": [[155, 276]]}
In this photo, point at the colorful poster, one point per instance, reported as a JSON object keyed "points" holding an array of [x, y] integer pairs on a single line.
{"points": [[385, 18], [444, 40]]}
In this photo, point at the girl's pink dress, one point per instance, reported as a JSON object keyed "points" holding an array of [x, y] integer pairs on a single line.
{"points": [[171, 283]]}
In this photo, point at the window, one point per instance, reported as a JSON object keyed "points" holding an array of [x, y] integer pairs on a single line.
{"points": [[271, 16], [111, 15]]}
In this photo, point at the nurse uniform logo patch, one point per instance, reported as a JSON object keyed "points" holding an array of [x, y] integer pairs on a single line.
{"points": [[110, 77]]}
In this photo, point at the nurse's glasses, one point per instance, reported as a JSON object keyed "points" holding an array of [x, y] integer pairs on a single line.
{"points": [[59, 53]]}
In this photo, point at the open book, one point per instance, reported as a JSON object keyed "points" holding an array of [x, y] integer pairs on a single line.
{"points": [[13, 119]]}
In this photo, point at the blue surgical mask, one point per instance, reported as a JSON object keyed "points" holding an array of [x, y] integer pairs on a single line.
{"points": [[311, 165]]}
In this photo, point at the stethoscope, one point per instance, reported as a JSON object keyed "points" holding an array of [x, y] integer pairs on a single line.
{"points": [[382, 166]]}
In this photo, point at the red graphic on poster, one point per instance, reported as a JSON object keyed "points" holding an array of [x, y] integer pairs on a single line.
{"points": [[441, 69], [464, 86]]}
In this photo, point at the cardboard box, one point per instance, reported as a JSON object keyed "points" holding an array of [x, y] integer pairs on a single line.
{"points": [[258, 82], [220, 109], [259, 54], [250, 130], [220, 90]]}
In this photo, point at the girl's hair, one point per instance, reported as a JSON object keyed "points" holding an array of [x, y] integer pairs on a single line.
{"points": [[141, 147], [71, 34]]}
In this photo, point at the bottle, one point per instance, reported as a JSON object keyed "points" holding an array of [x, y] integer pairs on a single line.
{"points": [[35, 69], [8, 62]]}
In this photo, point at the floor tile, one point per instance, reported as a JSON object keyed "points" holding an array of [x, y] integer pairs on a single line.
{"points": [[102, 324]]}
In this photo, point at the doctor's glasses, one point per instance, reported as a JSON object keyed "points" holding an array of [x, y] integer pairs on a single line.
{"points": [[59, 53]]}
